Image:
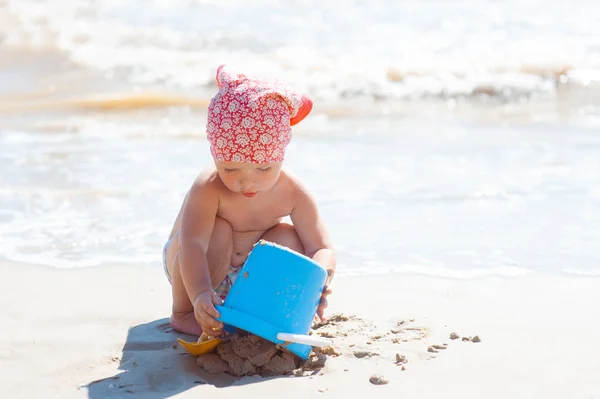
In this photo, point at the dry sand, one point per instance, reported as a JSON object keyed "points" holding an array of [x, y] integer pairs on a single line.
{"points": [[104, 333]]}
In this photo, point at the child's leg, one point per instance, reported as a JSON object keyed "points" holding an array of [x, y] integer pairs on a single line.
{"points": [[219, 259], [285, 234]]}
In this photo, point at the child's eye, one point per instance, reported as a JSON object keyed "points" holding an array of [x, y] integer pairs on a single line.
{"points": [[265, 169], [229, 170]]}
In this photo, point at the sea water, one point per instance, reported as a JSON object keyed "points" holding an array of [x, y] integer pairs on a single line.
{"points": [[449, 138]]}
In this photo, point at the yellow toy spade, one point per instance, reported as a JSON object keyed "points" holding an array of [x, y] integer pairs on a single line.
{"points": [[205, 344]]}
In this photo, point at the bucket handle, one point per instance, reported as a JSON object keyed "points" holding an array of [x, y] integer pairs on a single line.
{"points": [[303, 339]]}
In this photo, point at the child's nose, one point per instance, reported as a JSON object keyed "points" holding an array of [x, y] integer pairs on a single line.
{"points": [[247, 184]]}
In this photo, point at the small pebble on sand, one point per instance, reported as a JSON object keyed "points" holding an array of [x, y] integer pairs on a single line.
{"points": [[339, 317], [403, 368], [401, 358], [315, 361], [328, 350], [378, 379], [454, 336], [466, 339], [476, 339], [432, 349], [298, 373], [361, 354], [327, 334]]}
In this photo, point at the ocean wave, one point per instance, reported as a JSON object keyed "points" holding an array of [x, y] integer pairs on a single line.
{"points": [[377, 51]]}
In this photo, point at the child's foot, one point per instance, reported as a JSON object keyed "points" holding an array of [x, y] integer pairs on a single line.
{"points": [[185, 323]]}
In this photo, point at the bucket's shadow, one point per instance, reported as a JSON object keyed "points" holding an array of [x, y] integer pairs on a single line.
{"points": [[153, 364]]}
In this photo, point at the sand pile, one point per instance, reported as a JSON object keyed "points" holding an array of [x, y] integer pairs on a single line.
{"points": [[247, 354]]}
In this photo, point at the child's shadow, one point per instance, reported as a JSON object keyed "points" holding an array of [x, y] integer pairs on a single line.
{"points": [[151, 365]]}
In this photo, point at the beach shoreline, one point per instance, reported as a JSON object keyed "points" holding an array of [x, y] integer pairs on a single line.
{"points": [[453, 150], [64, 329]]}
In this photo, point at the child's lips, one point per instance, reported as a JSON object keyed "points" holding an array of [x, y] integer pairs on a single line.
{"points": [[249, 194]]}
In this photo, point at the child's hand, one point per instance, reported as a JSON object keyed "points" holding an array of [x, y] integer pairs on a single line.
{"points": [[205, 312], [323, 304]]}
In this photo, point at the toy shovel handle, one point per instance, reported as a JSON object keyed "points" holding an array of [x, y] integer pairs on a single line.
{"points": [[303, 339]]}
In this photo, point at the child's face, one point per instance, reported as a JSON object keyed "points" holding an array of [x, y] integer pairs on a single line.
{"points": [[248, 178]]}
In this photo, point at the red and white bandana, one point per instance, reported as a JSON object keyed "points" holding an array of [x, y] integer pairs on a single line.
{"points": [[250, 119]]}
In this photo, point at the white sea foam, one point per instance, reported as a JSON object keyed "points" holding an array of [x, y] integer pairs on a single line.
{"points": [[336, 49]]}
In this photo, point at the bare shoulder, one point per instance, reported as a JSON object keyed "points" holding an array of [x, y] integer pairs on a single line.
{"points": [[207, 181], [295, 186], [200, 207], [207, 187]]}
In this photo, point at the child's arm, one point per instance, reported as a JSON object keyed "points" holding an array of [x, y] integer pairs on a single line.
{"points": [[314, 236], [198, 219]]}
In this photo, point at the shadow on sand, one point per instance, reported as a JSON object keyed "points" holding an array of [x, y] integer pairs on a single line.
{"points": [[153, 364]]}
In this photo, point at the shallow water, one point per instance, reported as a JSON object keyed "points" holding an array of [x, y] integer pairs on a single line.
{"points": [[474, 180], [447, 199]]}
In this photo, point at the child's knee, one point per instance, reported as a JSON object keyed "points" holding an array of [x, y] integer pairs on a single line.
{"points": [[285, 234]]}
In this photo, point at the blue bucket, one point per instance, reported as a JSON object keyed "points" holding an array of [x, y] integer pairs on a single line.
{"points": [[276, 293]]}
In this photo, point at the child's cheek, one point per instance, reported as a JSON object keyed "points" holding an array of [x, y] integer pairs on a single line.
{"points": [[230, 182]]}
